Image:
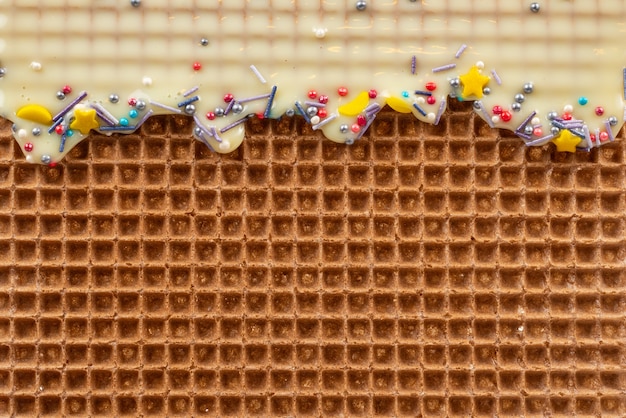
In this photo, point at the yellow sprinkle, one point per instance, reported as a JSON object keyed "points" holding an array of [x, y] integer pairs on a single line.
{"points": [[356, 106], [35, 113], [566, 142], [398, 105], [85, 120], [473, 83]]}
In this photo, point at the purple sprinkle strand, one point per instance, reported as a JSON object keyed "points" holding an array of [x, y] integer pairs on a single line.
{"points": [[325, 121], [460, 51], [485, 114], [609, 131], [541, 141], [201, 126], [166, 107], [444, 68], [229, 107], [104, 114], [315, 104], [413, 64], [253, 98], [70, 105], [191, 91], [235, 123], [270, 102], [442, 107], [496, 77], [144, 118], [525, 122], [303, 112]]}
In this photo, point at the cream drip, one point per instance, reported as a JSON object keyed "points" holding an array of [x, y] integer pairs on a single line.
{"points": [[555, 74]]}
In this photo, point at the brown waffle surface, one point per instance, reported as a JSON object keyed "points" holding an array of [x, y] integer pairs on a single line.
{"points": [[434, 271]]}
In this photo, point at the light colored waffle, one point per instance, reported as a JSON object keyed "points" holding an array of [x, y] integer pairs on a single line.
{"points": [[424, 270]]}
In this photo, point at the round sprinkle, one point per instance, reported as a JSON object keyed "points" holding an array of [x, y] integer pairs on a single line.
{"points": [[60, 95], [146, 81], [190, 109], [132, 102], [361, 121], [431, 100], [528, 130], [355, 127], [405, 94], [480, 65], [343, 129], [535, 121], [46, 159], [361, 5], [323, 99], [69, 132], [123, 121], [486, 91], [538, 132], [133, 113], [552, 115], [290, 112], [66, 89], [455, 82], [36, 131], [599, 111], [204, 42], [311, 111], [568, 108], [210, 115], [197, 131], [219, 111], [315, 120], [28, 147], [320, 32], [342, 91], [554, 130], [141, 105], [582, 100], [197, 66], [59, 129], [312, 94], [528, 88], [322, 113], [506, 116], [22, 133], [35, 66], [114, 98], [3, 72], [431, 86], [372, 94], [604, 136], [613, 121], [228, 98], [519, 98], [237, 108], [135, 3], [534, 7], [496, 110]]}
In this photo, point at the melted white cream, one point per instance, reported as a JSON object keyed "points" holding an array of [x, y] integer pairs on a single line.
{"points": [[570, 55]]}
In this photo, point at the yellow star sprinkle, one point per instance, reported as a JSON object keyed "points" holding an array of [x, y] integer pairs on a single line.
{"points": [[473, 83], [85, 120], [566, 142]]}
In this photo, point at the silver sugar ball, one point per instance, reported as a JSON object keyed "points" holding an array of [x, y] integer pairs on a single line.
{"points": [[311, 111], [135, 3], [534, 7], [204, 42], [3, 71], [46, 159], [528, 130], [613, 121], [552, 115], [519, 98], [516, 107], [36, 131], [349, 141], [528, 88], [361, 5], [486, 91], [197, 131], [455, 82], [343, 129], [114, 98], [141, 105], [476, 105], [237, 108], [290, 112], [60, 95], [14, 128], [219, 111], [190, 109], [554, 130]]}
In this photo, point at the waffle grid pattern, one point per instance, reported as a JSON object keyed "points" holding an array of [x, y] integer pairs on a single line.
{"points": [[441, 271]]}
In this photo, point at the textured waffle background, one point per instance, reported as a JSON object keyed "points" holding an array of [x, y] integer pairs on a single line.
{"points": [[424, 270]]}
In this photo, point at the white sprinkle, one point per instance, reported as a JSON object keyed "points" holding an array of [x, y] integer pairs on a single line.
{"points": [[224, 145], [420, 100], [431, 116], [315, 120], [146, 81], [568, 108], [35, 66], [480, 65], [22, 133], [258, 74], [495, 118], [535, 121], [320, 32]]}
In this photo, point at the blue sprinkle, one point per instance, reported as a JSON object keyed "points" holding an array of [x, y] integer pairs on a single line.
{"points": [[582, 101], [69, 132], [123, 121], [405, 94], [133, 113]]}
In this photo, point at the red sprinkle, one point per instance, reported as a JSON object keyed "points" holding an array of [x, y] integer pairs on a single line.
{"points": [[197, 66], [66, 89], [28, 147], [52, 164], [228, 98], [356, 128], [322, 113], [604, 136], [431, 100], [59, 129], [342, 91], [567, 116], [593, 137], [361, 121], [599, 111], [260, 115], [132, 102], [372, 93], [323, 99], [497, 110], [210, 115], [538, 132], [431, 86], [312, 94], [506, 116]]}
